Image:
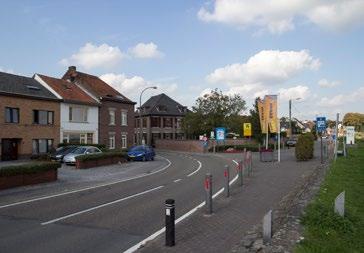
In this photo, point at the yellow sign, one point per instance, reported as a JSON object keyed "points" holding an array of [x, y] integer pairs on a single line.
{"points": [[247, 129], [271, 108]]}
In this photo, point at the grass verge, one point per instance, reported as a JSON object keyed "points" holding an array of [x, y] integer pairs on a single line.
{"points": [[326, 231]]}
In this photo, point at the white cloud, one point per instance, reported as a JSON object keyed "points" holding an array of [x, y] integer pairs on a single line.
{"points": [[146, 50], [342, 99], [327, 84], [297, 92], [281, 16], [92, 56], [132, 86], [263, 70]]}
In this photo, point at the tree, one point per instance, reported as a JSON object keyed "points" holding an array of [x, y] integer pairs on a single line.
{"points": [[354, 119], [255, 120], [213, 110]]}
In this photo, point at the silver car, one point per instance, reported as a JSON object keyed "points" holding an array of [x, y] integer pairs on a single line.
{"points": [[82, 150]]}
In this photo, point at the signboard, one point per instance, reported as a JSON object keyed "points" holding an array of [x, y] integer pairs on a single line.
{"points": [[212, 135], [350, 135], [321, 124], [220, 133], [247, 129]]}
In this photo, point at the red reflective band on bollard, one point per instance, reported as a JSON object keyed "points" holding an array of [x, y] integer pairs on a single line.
{"points": [[206, 184], [225, 173]]}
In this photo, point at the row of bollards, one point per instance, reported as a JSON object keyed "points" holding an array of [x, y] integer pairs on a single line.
{"points": [[242, 165]]}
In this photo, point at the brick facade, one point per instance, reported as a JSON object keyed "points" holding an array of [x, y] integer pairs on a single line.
{"points": [[25, 131], [105, 129]]}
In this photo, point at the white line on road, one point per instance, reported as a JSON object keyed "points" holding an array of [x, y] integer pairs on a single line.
{"points": [[88, 188], [189, 213], [177, 180], [100, 206], [199, 167]]}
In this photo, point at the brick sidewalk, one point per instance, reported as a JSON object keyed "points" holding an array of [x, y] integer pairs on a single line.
{"points": [[245, 208]]}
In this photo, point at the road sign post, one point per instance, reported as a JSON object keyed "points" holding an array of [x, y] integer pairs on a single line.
{"points": [[320, 128]]}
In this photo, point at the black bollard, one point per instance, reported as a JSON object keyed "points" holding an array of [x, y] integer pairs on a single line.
{"points": [[208, 190], [240, 171], [170, 225], [227, 179]]}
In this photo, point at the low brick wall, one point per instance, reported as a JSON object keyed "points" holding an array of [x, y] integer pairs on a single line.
{"points": [[194, 145], [28, 179], [99, 162]]}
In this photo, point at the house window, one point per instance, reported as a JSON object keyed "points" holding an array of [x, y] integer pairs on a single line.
{"points": [[155, 122], [43, 117], [112, 117], [42, 146], [167, 122], [78, 114], [90, 137], [124, 141], [78, 138], [111, 141], [124, 118], [11, 115]]}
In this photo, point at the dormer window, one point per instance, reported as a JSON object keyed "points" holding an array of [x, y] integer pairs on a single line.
{"points": [[161, 108]]}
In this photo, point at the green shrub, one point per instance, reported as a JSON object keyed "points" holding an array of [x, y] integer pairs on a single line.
{"points": [[304, 147], [102, 147], [94, 157], [28, 168]]}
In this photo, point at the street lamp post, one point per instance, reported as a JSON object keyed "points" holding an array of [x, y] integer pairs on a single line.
{"points": [[290, 115], [140, 113]]}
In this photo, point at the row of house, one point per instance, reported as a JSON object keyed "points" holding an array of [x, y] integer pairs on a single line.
{"points": [[40, 112]]}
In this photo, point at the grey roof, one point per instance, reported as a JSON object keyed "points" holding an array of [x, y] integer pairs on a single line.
{"points": [[23, 86], [163, 105]]}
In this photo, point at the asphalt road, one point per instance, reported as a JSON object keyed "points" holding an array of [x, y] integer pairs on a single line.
{"points": [[111, 218]]}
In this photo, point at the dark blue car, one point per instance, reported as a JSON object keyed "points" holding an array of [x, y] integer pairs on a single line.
{"points": [[141, 153]]}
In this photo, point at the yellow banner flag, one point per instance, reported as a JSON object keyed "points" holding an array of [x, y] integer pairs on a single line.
{"points": [[247, 129], [271, 109], [262, 116]]}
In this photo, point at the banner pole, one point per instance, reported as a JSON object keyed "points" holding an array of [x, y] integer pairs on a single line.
{"points": [[279, 131]]}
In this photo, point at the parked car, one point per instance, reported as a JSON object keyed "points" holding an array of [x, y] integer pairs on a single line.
{"points": [[61, 152], [291, 142], [81, 150], [141, 153]]}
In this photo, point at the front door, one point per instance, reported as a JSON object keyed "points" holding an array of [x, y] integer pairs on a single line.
{"points": [[9, 149]]}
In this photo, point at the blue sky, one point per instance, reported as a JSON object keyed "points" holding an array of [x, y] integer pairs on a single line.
{"points": [[311, 50]]}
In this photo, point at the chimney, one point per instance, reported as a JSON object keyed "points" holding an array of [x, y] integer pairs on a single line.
{"points": [[72, 73]]}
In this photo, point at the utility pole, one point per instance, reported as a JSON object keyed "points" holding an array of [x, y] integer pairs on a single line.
{"points": [[290, 118]]}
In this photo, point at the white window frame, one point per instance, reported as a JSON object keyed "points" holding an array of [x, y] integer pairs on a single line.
{"points": [[124, 140], [112, 117], [124, 118], [111, 141], [84, 115]]}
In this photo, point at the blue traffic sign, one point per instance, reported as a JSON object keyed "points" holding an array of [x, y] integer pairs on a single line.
{"points": [[220, 133], [321, 124]]}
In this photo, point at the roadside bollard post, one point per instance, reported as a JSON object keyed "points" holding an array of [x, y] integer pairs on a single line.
{"points": [[208, 190], [227, 179], [250, 162], [240, 168], [267, 227], [170, 224]]}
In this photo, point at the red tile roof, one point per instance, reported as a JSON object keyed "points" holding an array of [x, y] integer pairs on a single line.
{"points": [[96, 86], [70, 92]]}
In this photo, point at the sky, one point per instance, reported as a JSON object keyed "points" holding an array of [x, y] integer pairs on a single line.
{"points": [[309, 51]]}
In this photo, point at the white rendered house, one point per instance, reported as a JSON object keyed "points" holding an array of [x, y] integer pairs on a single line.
{"points": [[79, 111]]}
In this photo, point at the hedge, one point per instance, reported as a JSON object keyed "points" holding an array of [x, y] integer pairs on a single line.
{"points": [[28, 168], [94, 157], [304, 147], [99, 146], [249, 147]]}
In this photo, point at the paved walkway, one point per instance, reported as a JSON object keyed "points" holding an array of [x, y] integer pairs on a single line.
{"points": [[245, 208]]}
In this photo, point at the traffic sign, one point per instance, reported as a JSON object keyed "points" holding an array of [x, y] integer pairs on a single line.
{"points": [[321, 124], [220, 133], [247, 129]]}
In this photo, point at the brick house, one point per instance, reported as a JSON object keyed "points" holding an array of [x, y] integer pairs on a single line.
{"points": [[79, 122], [29, 117], [162, 117], [116, 112]]}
